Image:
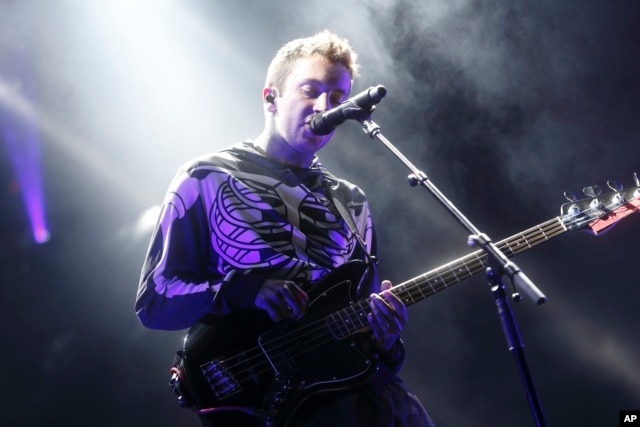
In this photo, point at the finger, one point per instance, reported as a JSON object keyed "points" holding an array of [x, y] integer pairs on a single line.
{"points": [[278, 312], [400, 310], [295, 299], [297, 292], [382, 329], [390, 320], [377, 329], [384, 314], [383, 305], [278, 298]]}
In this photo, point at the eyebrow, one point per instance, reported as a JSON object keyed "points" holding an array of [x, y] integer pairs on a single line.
{"points": [[321, 83]]}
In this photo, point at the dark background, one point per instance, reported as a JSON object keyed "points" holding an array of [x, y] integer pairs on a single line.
{"points": [[504, 105]]}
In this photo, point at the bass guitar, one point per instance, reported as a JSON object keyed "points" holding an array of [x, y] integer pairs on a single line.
{"points": [[239, 372]]}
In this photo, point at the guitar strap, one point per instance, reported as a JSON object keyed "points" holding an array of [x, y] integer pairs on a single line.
{"points": [[346, 216], [332, 184]]}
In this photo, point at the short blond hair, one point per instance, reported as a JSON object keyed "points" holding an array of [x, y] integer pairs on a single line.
{"points": [[326, 44]]}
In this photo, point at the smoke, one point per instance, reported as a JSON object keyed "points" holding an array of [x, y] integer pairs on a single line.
{"points": [[504, 105]]}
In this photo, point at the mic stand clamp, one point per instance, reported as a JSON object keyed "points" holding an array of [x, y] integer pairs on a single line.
{"points": [[498, 266]]}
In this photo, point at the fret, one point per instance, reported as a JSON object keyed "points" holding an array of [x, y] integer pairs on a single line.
{"points": [[412, 297], [453, 272], [460, 271], [544, 234], [441, 280], [510, 248], [346, 321], [401, 293], [463, 270], [333, 326], [526, 241], [449, 276], [340, 324], [480, 261], [434, 281], [359, 314], [417, 286], [408, 300], [541, 235], [538, 238]]}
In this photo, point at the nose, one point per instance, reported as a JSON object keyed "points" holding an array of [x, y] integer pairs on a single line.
{"points": [[321, 103]]}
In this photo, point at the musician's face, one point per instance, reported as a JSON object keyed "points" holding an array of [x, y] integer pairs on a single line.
{"points": [[314, 85]]}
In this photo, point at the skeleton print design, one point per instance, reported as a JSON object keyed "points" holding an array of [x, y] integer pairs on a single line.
{"points": [[258, 221]]}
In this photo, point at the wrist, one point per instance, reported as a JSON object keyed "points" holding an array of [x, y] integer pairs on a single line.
{"points": [[385, 347]]}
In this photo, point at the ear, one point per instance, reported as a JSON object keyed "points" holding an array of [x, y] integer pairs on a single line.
{"points": [[269, 95]]}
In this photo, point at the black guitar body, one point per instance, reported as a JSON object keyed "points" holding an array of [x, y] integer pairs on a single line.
{"points": [[246, 370]]}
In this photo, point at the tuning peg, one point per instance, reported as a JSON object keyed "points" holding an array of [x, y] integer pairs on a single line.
{"points": [[592, 191], [571, 196], [614, 185]]}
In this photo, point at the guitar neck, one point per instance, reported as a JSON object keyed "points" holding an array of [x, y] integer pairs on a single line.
{"points": [[441, 278], [597, 214]]}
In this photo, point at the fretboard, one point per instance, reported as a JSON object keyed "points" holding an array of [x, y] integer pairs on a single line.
{"points": [[353, 318], [443, 277]]}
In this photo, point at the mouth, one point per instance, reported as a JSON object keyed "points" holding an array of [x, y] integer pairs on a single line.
{"points": [[308, 120], [308, 127]]}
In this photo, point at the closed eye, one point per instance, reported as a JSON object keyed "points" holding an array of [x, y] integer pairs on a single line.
{"points": [[309, 91]]}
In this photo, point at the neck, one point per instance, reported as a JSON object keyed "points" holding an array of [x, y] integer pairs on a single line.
{"points": [[279, 150]]}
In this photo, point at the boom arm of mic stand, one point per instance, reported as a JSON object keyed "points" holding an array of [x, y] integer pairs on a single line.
{"points": [[502, 266]]}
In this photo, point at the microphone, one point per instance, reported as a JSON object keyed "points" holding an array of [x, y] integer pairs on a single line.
{"points": [[353, 108]]}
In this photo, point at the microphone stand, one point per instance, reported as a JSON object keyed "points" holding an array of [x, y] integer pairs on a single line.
{"points": [[498, 265]]}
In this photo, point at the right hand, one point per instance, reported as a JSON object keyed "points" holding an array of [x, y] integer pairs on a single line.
{"points": [[282, 299]]}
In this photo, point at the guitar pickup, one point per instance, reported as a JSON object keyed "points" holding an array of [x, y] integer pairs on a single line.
{"points": [[222, 382]]}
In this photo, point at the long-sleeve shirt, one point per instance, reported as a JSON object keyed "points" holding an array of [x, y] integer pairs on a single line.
{"points": [[234, 218]]}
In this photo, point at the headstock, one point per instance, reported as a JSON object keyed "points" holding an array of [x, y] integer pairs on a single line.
{"points": [[599, 212]]}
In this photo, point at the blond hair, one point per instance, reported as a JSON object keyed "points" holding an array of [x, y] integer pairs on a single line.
{"points": [[325, 44]]}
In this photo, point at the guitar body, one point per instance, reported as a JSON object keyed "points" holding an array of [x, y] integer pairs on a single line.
{"points": [[246, 370]]}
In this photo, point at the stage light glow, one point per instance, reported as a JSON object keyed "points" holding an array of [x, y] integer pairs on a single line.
{"points": [[146, 42], [146, 221], [597, 346], [22, 142], [19, 109]]}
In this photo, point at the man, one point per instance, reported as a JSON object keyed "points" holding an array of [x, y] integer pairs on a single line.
{"points": [[243, 242]]}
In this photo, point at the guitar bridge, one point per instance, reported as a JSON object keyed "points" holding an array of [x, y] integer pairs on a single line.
{"points": [[222, 382]]}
